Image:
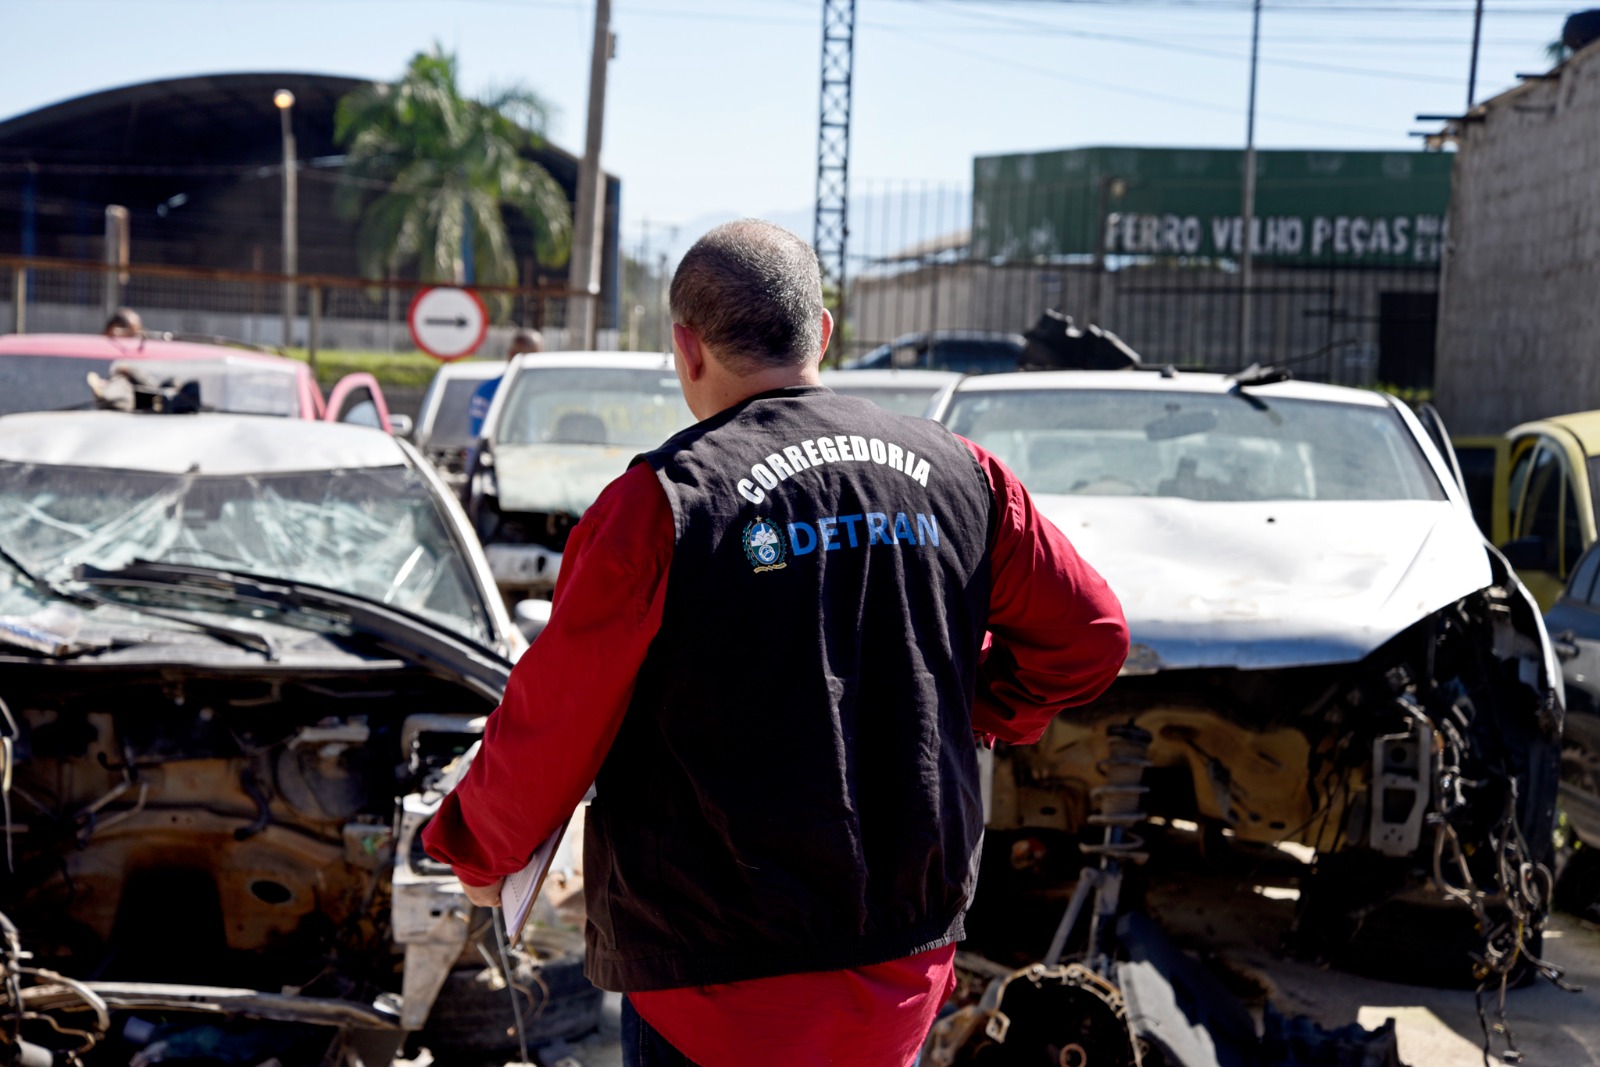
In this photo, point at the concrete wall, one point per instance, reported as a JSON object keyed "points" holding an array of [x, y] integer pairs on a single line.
{"points": [[1519, 322]]}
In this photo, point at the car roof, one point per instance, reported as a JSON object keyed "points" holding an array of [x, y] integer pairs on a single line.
{"points": [[1147, 381], [623, 360], [471, 369], [1583, 425], [886, 377], [996, 336], [204, 444], [98, 346]]}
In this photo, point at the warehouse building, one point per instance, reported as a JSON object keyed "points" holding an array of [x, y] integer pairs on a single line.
{"points": [[198, 164]]}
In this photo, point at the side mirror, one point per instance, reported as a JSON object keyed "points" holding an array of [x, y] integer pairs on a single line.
{"points": [[1533, 553], [531, 617], [401, 425]]}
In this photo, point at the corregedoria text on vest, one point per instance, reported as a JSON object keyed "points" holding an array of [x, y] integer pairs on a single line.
{"points": [[841, 448]]}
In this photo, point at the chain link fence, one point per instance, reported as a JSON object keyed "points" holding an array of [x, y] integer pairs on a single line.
{"points": [[326, 313], [917, 269]]}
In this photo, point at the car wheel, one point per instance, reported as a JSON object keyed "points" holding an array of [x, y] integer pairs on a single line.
{"points": [[472, 1019]]}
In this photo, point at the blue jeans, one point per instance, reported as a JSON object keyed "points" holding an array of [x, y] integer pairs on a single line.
{"points": [[642, 1046]]}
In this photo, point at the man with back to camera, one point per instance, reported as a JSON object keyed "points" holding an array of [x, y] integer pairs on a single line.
{"points": [[773, 640]]}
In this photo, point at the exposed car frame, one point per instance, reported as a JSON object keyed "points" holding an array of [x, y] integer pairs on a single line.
{"points": [[1323, 724], [286, 754]]}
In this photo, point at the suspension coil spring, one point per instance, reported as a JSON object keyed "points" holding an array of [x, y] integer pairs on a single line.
{"points": [[1119, 802]]}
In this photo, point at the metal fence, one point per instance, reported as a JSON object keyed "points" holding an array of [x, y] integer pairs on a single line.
{"points": [[328, 313], [915, 269]]}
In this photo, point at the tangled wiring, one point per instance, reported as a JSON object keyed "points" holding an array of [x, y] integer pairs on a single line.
{"points": [[35, 995], [1512, 913]]}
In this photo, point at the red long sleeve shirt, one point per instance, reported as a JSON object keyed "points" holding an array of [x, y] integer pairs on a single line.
{"points": [[1058, 639]]}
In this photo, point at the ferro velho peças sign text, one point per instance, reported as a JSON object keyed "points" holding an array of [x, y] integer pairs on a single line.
{"points": [[1353, 208]]}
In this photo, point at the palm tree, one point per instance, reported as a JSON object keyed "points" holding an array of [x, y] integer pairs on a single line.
{"points": [[445, 166]]}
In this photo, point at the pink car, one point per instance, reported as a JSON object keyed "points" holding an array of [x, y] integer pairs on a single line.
{"points": [[49, 372]]}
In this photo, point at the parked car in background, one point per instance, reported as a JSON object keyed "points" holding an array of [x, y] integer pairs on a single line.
{"points": [[1324, 652], [1547, 475], [1574, 625], [562, 425], [242, 659], [444, 427], [962, 351], [904, 392], [49, 372]]}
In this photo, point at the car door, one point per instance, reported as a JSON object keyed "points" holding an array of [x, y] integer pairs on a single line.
{"points": [[1574, 625], [1547, 533], [358, 399]]}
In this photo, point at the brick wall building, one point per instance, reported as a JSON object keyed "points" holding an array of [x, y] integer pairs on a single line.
{"points": [[1519, 320]]}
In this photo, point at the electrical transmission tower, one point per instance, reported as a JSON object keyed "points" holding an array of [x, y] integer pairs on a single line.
{"points": [[833, 148]]}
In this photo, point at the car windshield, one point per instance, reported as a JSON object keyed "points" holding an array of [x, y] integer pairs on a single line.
{"points": [[1198, 446], [60, 383], [593, 406], [451, 426], [47, 383], [375, 533]]}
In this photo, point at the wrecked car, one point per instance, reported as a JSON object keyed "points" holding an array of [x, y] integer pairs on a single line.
{"points": [[240, 660], [1325, 653], [561, 427], [47, 372]]}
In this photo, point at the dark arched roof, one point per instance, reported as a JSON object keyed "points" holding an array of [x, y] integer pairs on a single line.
{"points": [[197, 162]]}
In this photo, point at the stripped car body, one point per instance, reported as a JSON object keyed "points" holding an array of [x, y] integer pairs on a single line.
{"points": [[562, 426], [1324, 650], [238, 658]]}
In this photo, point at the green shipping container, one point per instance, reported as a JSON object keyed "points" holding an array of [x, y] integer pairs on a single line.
{"points": [[1358, 208]]}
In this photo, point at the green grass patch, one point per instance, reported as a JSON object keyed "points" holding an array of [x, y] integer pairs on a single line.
{"points": [[406, 369]]}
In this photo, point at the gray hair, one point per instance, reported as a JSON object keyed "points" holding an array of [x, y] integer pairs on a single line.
{"points": [[751, 291]]}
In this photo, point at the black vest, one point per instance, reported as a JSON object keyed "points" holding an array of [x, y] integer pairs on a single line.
{"points": [[795, 785]]}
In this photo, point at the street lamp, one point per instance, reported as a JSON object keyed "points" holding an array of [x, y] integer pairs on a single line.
{"points": [[283, 100]]}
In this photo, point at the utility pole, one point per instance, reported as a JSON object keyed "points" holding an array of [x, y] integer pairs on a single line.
{"points": [[588, 224], [1472, 73], [116, 256], [283, 100], [832, 228], [1248, 212]]}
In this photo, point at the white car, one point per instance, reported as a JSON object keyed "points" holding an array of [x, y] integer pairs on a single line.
{"points": [[1325, 651], [443, 425], [904, 392], [562, 426], [241, 658]]}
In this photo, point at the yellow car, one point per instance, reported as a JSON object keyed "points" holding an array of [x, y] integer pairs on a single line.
{"points": [[1532, 492]]}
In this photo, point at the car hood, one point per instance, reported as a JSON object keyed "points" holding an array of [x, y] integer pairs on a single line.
{"points": [[1275, 584], [557, 478]]}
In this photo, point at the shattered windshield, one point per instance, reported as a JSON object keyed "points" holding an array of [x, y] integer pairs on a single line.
{"points": [[375, 533], [1197, 446], [593, 406]]}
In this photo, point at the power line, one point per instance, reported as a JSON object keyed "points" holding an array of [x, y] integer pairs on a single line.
{"points": [[1142, 42], [1148, 94]]}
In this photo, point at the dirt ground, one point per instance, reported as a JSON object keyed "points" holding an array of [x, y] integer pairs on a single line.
{"points": [[1241, 911]]}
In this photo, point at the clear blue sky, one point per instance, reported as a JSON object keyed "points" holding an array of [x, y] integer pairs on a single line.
{"points": [[712, 105]]}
